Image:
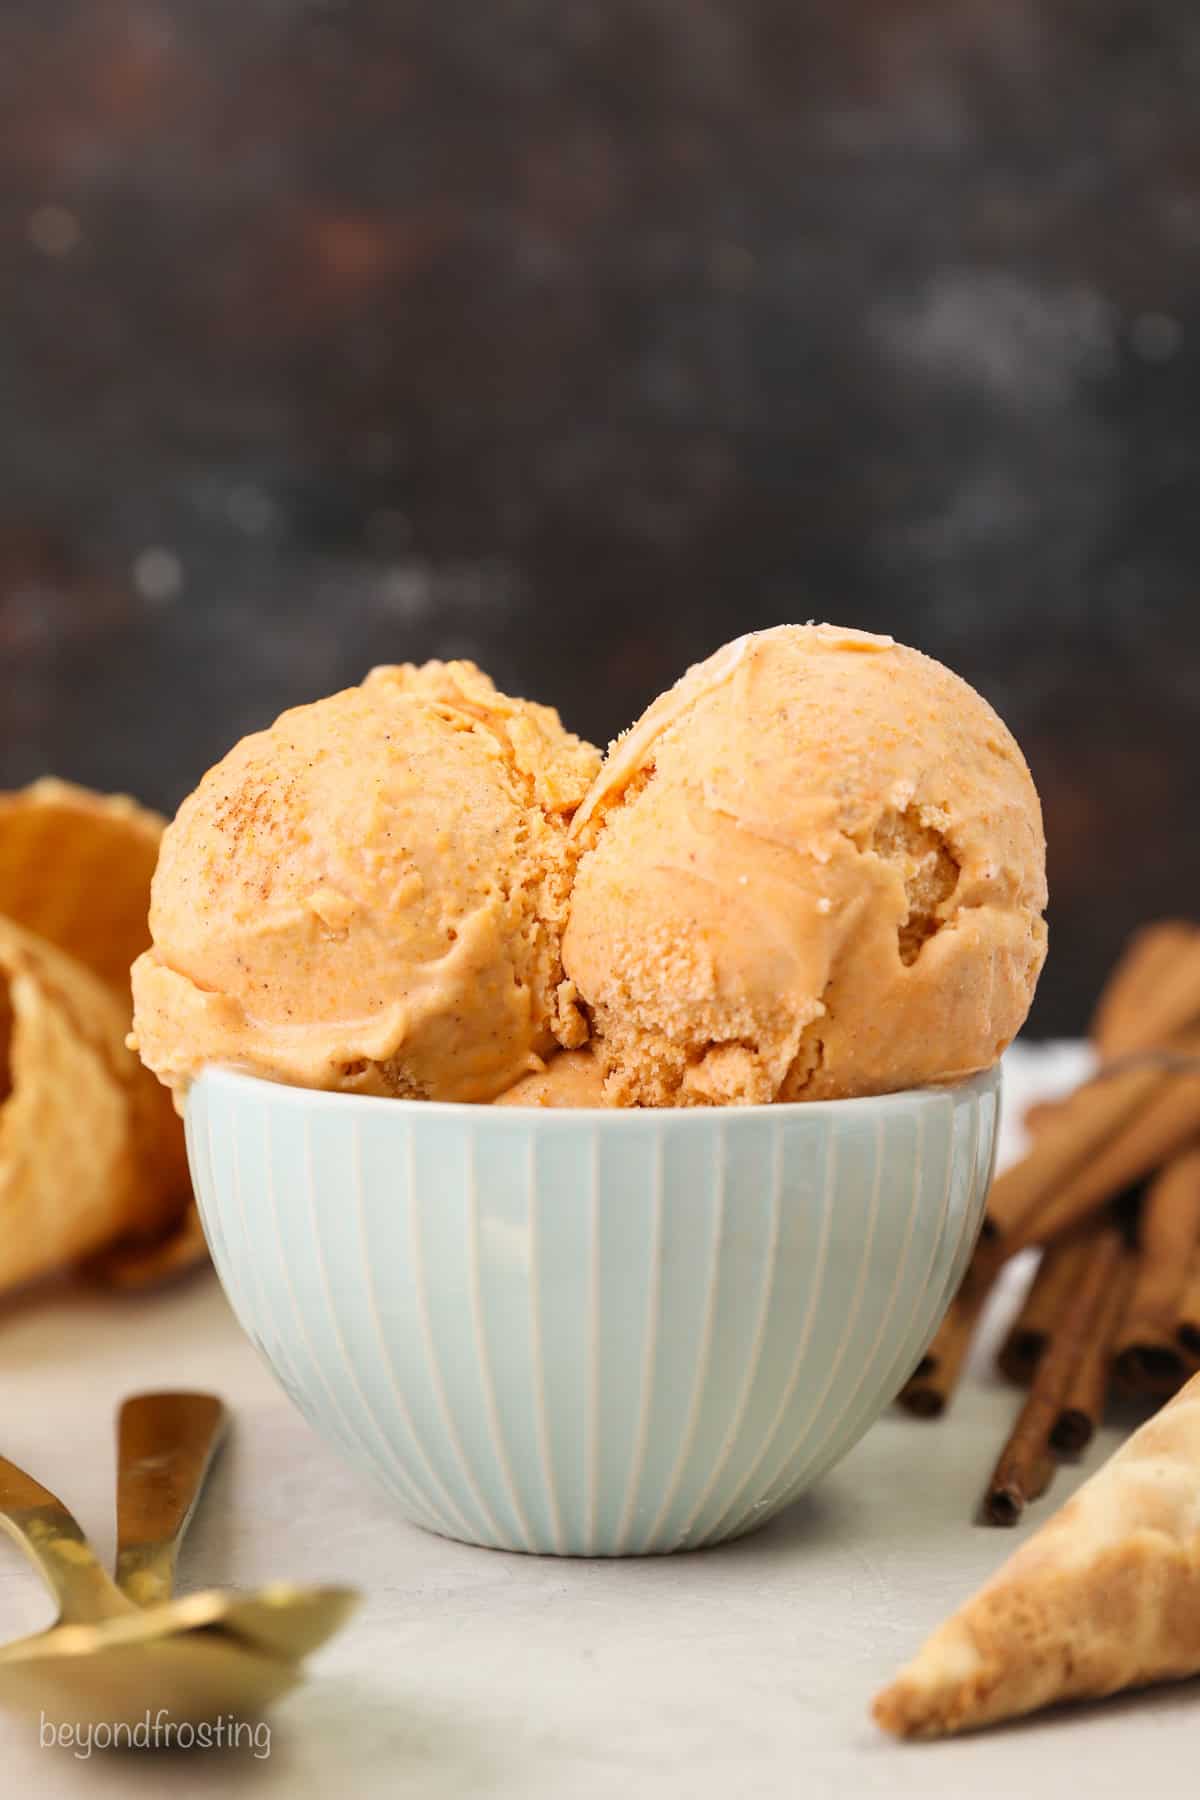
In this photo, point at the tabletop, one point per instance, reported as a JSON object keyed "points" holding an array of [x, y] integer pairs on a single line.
{"points": [[744, 1670]]}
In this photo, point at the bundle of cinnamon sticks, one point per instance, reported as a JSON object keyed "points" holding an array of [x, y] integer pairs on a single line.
{"points": [[1109, 1192]]}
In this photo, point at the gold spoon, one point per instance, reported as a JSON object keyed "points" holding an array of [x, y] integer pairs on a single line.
{"points": [[165, 1447], [110, 1661]]}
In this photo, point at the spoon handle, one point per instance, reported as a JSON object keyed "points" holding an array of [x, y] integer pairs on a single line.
{"points": [[53, 1541], [165, 1447]]}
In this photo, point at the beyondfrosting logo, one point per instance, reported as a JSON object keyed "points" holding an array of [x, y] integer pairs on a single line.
{"points": [[155, 1731]]}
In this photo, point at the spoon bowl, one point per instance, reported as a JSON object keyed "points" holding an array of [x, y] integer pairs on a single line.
{"points": [[123, 1652], [88, 1675]]}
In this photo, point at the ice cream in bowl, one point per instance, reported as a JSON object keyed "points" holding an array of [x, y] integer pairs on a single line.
{"points": [[592, 1146]]}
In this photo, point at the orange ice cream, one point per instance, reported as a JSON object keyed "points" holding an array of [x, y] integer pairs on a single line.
{"points": [[371, 895], [814, 868], [572, 1078]]}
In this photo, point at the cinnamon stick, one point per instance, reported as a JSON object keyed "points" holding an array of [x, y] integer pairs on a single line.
{"points": [[1083, 1403], [1067, 1143], [1147, 1353], [1038, 1114], [1148, 1138], [930, 1388], [1029, 1333], [1010, 1493], [1188, 1329], [1142, 989], [1043, 1474], [1021, 1464]]}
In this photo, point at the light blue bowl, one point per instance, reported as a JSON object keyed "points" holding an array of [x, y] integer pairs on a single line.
{"points": [[590, 1333]]}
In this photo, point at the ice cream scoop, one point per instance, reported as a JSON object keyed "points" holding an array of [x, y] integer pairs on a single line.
{"points": [[572, 1078], [370, 896], [814, 868]]}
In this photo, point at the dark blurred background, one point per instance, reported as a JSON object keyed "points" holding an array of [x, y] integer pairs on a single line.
{"points": [[577, 338]]}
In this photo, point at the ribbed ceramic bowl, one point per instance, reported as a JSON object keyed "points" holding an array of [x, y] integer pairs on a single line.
{"points": [[590, 1333]]}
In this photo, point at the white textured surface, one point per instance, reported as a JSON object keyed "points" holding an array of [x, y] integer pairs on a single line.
{"points": [[740, 1671]]}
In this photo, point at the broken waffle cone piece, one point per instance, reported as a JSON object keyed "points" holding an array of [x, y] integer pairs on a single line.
{"points": [[1188, 1330], [75, 868], [1105, 1596], [140, 1262], [75, 1170]]}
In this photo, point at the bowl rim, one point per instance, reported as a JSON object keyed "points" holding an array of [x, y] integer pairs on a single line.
{"points": [[610, 1118]]}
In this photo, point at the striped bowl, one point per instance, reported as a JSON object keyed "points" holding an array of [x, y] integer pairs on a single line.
{"points": [[590, 1333]]}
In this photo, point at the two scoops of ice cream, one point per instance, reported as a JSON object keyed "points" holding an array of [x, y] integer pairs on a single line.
{"points": [[814, 868]]}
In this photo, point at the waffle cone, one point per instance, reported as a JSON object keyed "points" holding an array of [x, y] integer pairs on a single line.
{"points": [[1105, 1596], [74, 1170], [75, 869], [142, 1263]]}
